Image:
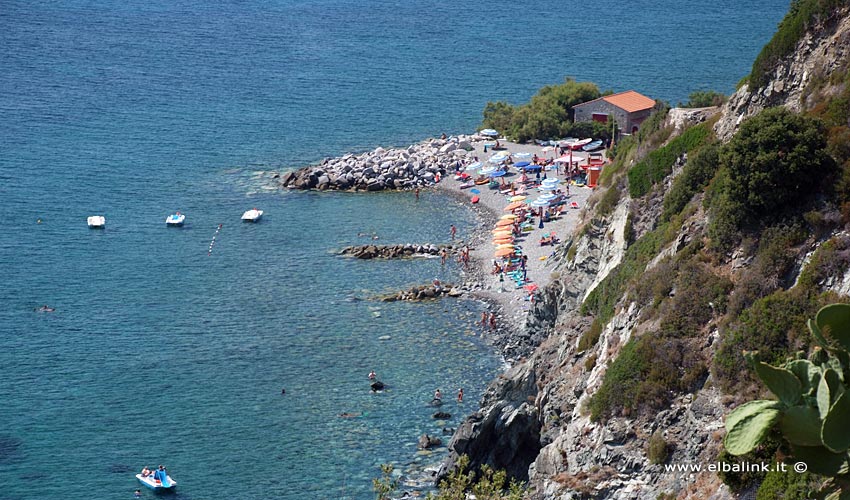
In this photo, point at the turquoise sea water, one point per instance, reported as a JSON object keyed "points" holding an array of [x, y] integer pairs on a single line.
{"points": [[158, 353]]}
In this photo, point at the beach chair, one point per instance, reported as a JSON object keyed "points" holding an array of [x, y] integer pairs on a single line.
{"points": [[573, 204]]}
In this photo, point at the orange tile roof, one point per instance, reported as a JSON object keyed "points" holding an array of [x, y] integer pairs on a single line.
{"points": [[630, 101]]}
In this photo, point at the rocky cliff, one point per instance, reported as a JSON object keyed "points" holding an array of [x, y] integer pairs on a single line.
{"points": [[542, 419]]}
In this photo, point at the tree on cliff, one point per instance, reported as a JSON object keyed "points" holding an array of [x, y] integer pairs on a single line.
{"points": [[775, 162]]}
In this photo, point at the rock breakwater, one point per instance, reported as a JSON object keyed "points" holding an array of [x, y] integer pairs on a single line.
{"points": [[421, 164], [397, 251]]}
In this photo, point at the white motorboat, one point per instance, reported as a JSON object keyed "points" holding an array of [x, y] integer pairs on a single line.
{"points": [[97, 222], [175, 219], [252, 215]]}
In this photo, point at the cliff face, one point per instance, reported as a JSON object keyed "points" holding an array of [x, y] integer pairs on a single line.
{"points": [[821, 52], [536, 419]]}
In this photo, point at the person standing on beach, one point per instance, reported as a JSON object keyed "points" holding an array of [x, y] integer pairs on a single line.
{"points": [[443, 256], [453, 231], [493, 321], [484, 320]]}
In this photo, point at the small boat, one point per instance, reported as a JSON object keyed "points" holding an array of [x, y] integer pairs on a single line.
{"points": [[175, 219], [592, 146], [467, 185], [580, 144], [97, 222], [252, 215], [156, 482]]}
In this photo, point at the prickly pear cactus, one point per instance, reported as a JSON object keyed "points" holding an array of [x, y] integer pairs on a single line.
{"points": [[812, 410]]}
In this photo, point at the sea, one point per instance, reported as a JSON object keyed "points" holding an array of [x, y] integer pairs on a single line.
{"points": [[173, 345]]}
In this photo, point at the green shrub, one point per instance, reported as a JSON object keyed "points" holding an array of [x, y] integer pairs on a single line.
{"points": [[771, 167], [774, 160], [802, 15], [774, 326], [590, 362], [608, 202], [704, 99], [487, 484], [659, 163], [646, 375], [700, 294], [738, 477], [657, 449], [830, 260], [590, 337], [787, 485], [695, 176]]}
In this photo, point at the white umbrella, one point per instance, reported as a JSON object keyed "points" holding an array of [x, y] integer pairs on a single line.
{"points": [[522, 155], [474, 165], [539, 203], [553, 181], [489, 132], [545, 197], [487, 170]]}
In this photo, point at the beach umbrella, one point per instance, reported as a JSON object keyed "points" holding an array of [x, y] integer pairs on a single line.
{"points": [[504, 252], [474, 191], [546, 197], [540, 203], [531, 168], [552, 180], [522, 154], [473, 166], [518, 197], [502, 230], [521, 164], [505, 245], [532, 287], [513, 206], [489, 132], [508, 216], [497, 173], [504, 222]]}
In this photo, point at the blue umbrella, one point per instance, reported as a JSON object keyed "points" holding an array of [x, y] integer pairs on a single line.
{"points": [[532, 168], [497, 173], [522, 164], [474, 191]]}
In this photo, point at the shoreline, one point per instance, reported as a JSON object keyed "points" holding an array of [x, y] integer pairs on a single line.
{"points": [[429, 165], [510, 305]]}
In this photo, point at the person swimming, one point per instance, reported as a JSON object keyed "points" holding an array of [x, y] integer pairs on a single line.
{"points": [[45, 308]]}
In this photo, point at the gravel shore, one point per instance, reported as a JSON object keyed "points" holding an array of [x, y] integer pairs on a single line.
{"points": [[512, 302]]}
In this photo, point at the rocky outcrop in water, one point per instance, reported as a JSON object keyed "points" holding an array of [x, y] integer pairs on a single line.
{"points": [[396, 251], [417, 165], [425, 292]]}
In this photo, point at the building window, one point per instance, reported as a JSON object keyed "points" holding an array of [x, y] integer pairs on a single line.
{"points": [[598, 117]]}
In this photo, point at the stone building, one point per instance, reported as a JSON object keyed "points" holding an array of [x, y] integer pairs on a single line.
{"points": [[628, 108]]}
